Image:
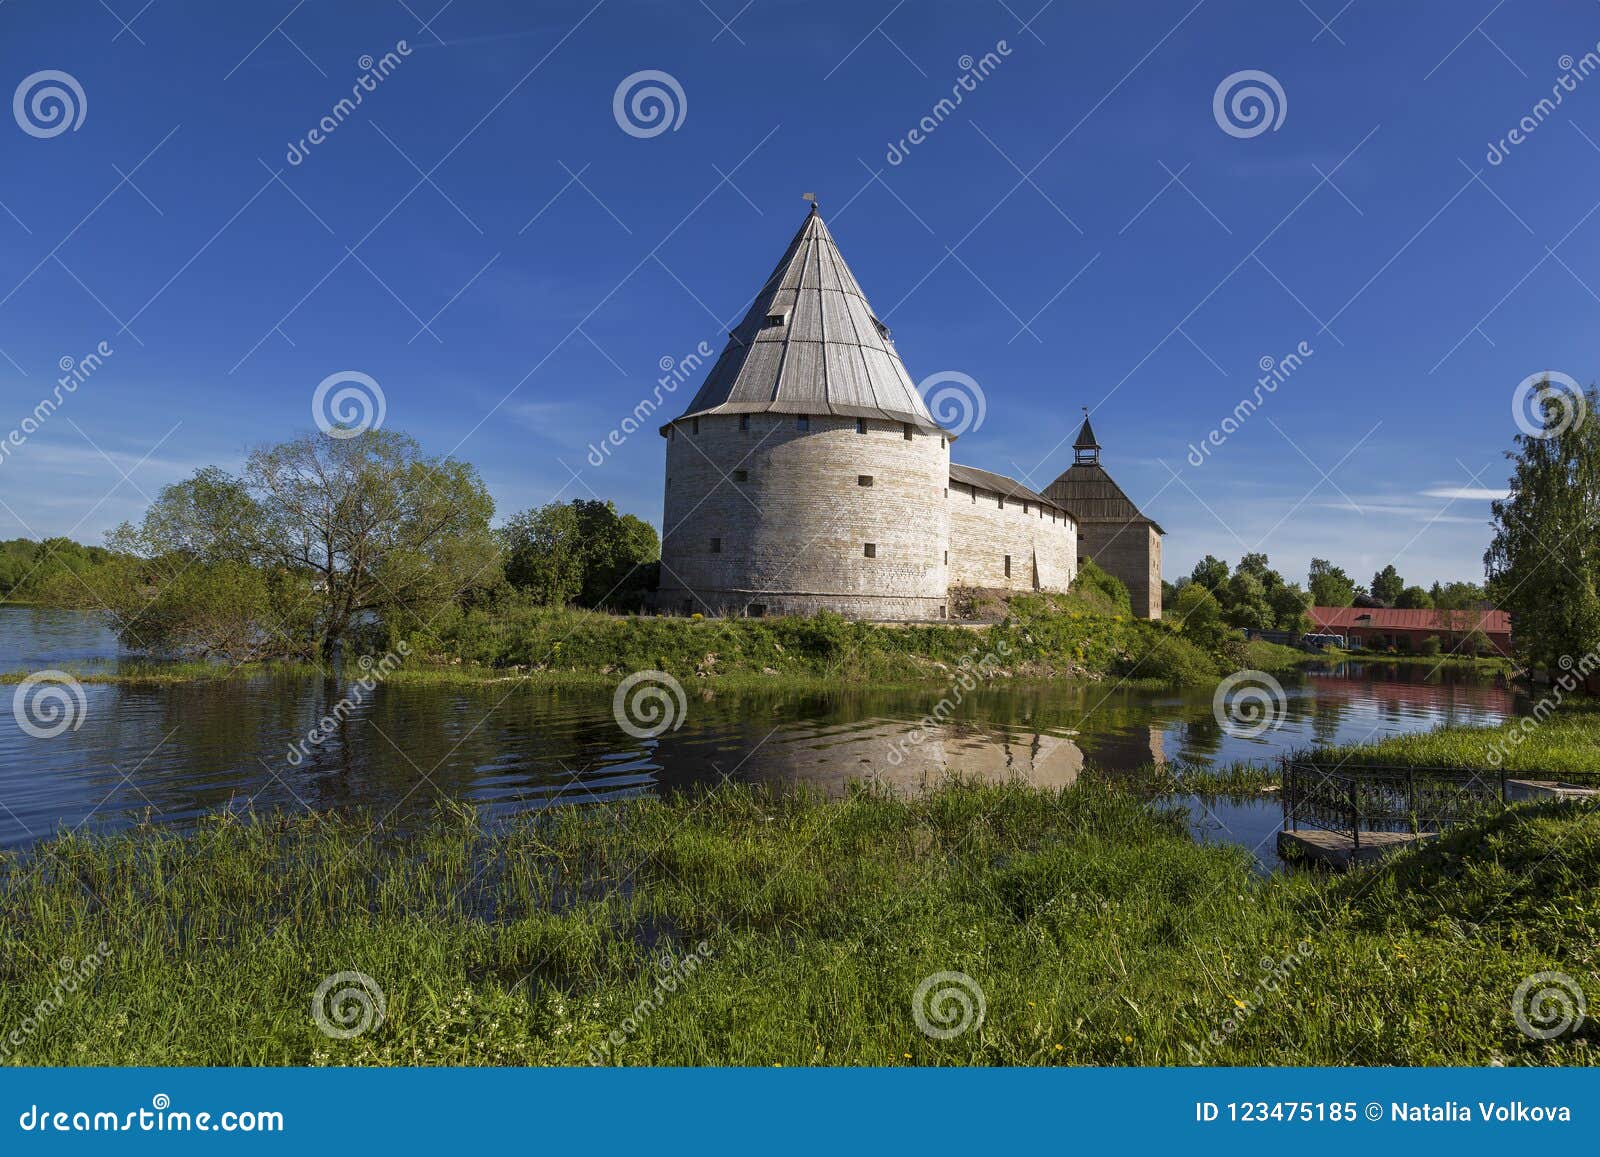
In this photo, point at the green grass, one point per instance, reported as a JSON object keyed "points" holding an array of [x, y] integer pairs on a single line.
{"points": [[1069, 636], [1098, 932], [1416, 659], [1040, 636], [1261, 655], [1565, 743]]}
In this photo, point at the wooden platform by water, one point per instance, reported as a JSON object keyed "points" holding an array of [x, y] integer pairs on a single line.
{"points": [[1337, 850]]}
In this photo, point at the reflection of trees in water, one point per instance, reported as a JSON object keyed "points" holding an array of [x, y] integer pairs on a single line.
{"points": [[205, 744]]}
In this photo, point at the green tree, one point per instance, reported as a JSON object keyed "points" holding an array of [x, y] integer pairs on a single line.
{"points": [[1289, 605], [1330, 586], [1544, 561], [1210, 572], [1199, 616], [581, 552], [1245, 603], [1414, 599], [1387, 585], [318, 538]]}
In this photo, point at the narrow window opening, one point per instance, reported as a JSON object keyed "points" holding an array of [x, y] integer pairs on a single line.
{"points": [[716, 548], [863, 480], [1008, 566], [942, 613], [694, 425], [870, 549], [947, 558], [1000, 501], [802, 422], [741, 475], [861, 425], [905, 430], [744, 421]]}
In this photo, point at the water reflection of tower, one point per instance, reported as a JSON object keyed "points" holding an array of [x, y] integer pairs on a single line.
{"points": [[1127, 749]]}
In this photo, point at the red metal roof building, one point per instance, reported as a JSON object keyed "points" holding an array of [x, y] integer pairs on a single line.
{"points": [[1380, 628]]}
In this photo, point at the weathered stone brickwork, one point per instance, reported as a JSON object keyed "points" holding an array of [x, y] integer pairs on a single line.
{"points": [[795, 529], [986, 529], [1132, 552]]}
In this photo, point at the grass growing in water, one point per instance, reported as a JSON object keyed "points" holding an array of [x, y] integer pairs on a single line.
{"points": [[1097, 931], [1565, 743]]}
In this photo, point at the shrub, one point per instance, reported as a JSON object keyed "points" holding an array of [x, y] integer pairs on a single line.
{"points": [[1103, 587]]}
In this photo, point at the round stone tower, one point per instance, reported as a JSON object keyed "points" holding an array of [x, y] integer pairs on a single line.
{"points": [[807, 473]]}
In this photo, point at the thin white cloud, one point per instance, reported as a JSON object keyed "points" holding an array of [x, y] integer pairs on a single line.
{"points": [[1466, 493]]}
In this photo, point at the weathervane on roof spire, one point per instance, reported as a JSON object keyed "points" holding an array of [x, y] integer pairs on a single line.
{"points": [[1086, 449], [812, 197]]}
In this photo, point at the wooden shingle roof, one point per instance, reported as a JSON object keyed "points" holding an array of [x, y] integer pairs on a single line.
{"points": [[811, 344], [1088, 492], [1000, 484]]}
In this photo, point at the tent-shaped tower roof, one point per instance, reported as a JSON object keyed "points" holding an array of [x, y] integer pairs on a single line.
{"points": [[811, 344]]}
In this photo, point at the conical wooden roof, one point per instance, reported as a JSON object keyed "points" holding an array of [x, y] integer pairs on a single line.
{"points": [[811, 344]]}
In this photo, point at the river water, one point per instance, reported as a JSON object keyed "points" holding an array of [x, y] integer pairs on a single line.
{"points": [[172, 753]]}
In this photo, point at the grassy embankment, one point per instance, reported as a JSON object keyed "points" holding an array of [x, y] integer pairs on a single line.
{"points": [[1098, 932], [1042, 636]]}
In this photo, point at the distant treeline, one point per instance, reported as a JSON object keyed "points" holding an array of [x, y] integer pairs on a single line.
{"points": [[29, 570]]}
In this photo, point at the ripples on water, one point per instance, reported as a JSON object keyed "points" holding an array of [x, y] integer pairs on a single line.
{"points": [[176, 752]]}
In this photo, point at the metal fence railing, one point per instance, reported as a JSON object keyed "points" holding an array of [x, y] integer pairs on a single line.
{"points": [[1351, 799]]}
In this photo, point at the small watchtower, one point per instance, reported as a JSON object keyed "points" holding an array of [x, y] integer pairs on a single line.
{"points": [[1112, 531]]}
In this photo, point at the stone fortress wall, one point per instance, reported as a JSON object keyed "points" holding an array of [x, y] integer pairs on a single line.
{"points": [[991, 534], [763, 516]]}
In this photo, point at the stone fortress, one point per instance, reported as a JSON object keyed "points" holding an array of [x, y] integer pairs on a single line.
{"points": [[808, 474]]}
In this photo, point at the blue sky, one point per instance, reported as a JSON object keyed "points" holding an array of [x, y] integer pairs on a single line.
{"points": [[482, 238]]}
